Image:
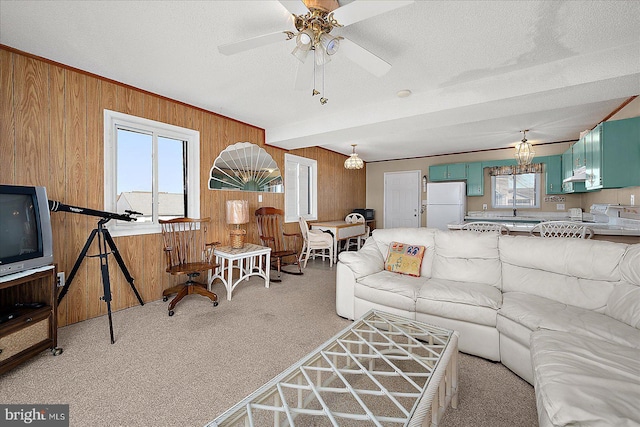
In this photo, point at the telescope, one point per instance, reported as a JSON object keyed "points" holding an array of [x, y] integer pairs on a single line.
{"points": [[55, 206], [106, 246]]}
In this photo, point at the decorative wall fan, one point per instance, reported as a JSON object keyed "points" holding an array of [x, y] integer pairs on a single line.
{"points": [[314, 20]]}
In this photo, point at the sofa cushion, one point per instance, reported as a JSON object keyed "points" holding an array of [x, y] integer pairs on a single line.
{"points": [[366, 261], [467, 257], [391, 289], [471, 302], [541, 313], [585, 381], [572, 271], [382, 238], [404, 258], [624, 304]]}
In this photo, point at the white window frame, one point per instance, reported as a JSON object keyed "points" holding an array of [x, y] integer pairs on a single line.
{"points": [[291, 193], [114, 120], [514, 206]]}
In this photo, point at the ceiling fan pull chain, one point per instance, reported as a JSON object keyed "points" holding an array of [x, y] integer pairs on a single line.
{"points": [[314, 92], [323, 99]]}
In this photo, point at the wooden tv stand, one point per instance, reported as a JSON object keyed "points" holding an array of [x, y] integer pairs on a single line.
{"points": [[32, 328]]}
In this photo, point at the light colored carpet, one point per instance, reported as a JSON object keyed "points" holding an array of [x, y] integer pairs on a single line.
{"points": [[187, 369]]}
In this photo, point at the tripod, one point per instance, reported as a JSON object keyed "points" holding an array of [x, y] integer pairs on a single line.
{"points": [[104, 240]]}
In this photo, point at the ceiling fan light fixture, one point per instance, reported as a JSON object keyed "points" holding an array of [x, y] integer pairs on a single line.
{"points": [[300, 54], [304, 39], [329, 43], [524, 151], [353, 162]]}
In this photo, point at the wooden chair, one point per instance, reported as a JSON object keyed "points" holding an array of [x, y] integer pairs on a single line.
{"points": [[315, 240], [354, 218], [271, 231], [569, 229], [485, 227], [187, 252]]}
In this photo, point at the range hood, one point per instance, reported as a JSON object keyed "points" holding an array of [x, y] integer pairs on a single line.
{"points": [[579, 175]]}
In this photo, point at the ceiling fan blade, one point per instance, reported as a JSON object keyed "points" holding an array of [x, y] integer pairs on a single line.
{"points": [[241, 46], [304, 74], [361, 56], [360, 10], [295, 6]]}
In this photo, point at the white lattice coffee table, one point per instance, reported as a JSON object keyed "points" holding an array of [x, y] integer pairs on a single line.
{"points": [[383, 370]]}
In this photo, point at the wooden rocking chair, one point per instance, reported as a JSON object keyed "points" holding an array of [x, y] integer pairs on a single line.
{"points": [[187, 252], [271, 231]]}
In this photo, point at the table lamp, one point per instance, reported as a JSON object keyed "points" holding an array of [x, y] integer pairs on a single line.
{"points": [[237, 213]]}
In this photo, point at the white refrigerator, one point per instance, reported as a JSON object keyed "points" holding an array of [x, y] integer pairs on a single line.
{"points": [[446, 203]]}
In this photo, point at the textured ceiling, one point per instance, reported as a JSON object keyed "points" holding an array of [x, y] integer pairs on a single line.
{"points": [[479, 71]]}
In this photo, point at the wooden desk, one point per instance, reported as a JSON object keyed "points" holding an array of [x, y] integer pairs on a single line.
{"points": [[341, 230]]}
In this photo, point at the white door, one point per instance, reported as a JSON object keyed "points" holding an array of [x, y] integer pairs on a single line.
{"points": [[402, 199]]}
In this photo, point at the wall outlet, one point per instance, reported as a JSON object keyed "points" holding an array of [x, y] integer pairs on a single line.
{"points": [[259, 198], [560, 206], [632, 202], [60, 280], [484, 206]]}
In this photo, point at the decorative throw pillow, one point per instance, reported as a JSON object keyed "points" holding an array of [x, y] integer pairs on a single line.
{"points": [[404, 259]]}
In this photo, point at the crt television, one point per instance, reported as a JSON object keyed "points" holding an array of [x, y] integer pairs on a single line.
{"points": [[26, 241]]}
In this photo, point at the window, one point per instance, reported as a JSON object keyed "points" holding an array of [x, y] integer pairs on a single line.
{"points": [[516, 191], [300, 188], [152, 168]]}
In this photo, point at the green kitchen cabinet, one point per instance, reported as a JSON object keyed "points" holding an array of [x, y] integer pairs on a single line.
{"points": [[613, 155], [475, 179], [448, 172], [553, 174]]}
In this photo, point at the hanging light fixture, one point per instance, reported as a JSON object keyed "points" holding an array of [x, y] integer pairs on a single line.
{"points": [[313, 35], [353, 162], [524, 150]]}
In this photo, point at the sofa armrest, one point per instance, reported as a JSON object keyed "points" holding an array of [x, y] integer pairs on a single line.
{"points": [[345, 291], [368, 260]]}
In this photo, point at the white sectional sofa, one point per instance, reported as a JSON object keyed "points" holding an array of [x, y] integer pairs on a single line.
{"points": [[537, 305]]}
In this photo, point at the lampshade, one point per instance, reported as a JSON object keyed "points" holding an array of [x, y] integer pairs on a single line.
{"points": [[524, 151], [237, 211], [353, 162]]}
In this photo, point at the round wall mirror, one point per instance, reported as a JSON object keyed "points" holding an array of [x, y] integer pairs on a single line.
{"points": [[245, 167]]}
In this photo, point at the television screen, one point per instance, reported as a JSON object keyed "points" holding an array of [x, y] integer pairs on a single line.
{"points": [[19, 228]]}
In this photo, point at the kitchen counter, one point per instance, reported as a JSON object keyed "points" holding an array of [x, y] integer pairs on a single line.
{"points": [[525, 224]]}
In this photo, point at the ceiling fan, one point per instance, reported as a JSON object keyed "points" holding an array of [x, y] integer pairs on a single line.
{"points": [[314, 20]]}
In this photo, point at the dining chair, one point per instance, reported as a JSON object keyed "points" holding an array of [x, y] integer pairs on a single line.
{"points": [[314, 241], [187, 251], [568, 229], [485, 227], [354, 218], [270, 223]]}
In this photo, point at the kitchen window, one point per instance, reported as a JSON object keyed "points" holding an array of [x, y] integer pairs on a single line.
{"points": [[515, 191]]}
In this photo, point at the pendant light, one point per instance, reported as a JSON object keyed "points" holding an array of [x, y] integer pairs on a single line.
{"points": [[353, 162], [524, 151]]}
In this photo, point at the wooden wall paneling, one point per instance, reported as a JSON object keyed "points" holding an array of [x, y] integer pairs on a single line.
{"points": [[31, 88], [76, 194], [56, 189], [7, 124], [151, 106], [150, 286], [95, 189]]}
